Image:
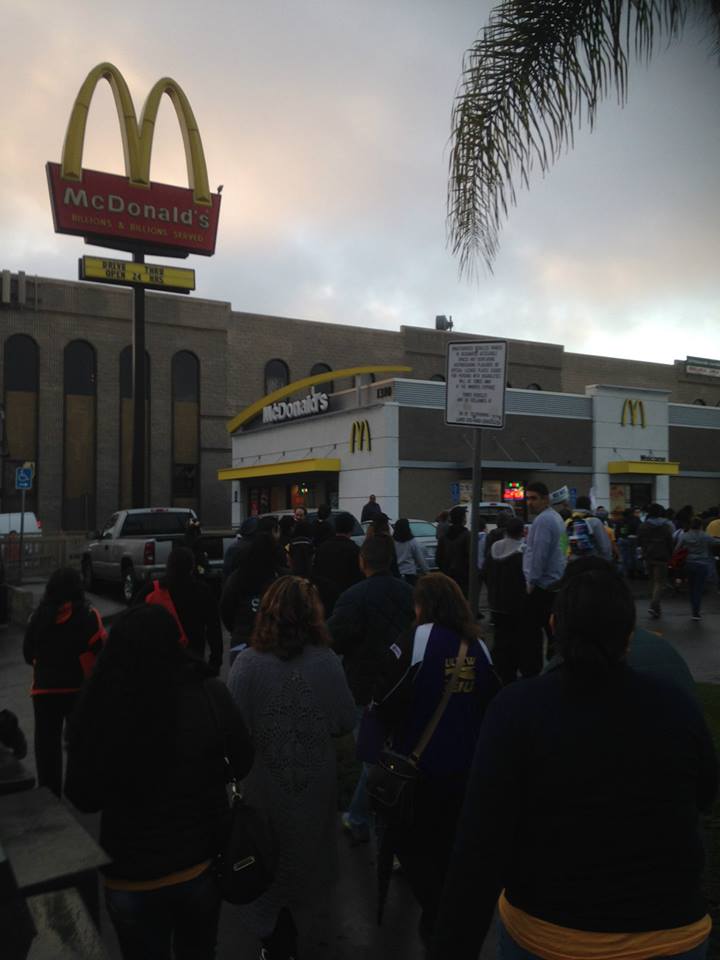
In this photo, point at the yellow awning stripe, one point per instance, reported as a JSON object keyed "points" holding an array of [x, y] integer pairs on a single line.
{"points": [[286, 468], [667, 468], [249, 412]]}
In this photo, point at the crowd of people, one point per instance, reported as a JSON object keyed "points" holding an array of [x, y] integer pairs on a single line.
{"points": [[569, 803]]}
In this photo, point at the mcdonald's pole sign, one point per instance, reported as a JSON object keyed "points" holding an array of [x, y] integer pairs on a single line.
{"points": [[634, 412], [360, 436], [132, 212]]}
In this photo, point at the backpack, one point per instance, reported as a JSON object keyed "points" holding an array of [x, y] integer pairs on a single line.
{"points": [[581, 542]]}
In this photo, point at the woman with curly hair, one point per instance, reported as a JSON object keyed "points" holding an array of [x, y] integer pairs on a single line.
{"points": [[291, 690]]}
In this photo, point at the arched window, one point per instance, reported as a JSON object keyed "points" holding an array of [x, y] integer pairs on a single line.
{"points": [[186, 430], [126, 427], [277, 375], [533, 386], [699, 402], [79, 464], [21, 418], [318, 368], [438, 377]]}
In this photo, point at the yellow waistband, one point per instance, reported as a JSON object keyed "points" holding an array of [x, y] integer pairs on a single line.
{"points": [[552, 942], [180, 876]]}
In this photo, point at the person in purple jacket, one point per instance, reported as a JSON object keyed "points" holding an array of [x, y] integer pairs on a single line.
{"points": [[426, 656]]}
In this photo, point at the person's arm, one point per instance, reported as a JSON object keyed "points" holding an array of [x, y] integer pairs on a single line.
{"points": [[602, 540], [229, 600], [213, 635], [339, 704], [240, 751], [484, 838], [419, 556], [345, 625], [535, 559], [29, 649]]}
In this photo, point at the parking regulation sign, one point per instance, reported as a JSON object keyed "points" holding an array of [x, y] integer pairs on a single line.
{"points": [[23, 478], [476, 378]]}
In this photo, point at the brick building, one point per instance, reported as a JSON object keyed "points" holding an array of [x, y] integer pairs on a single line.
{"points": [[66, 392]]}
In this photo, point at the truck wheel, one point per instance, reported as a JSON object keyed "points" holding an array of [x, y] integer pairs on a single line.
{"points": [[88, 578], [128, 584]]}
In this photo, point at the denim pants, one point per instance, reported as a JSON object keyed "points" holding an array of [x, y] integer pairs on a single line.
{"points": [[178, 922], [697, 574], [508, 949]]}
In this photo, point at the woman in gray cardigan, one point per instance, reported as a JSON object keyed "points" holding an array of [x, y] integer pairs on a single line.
{"points": [[291, 690]]}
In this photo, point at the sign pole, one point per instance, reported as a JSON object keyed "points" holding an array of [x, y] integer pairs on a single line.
{"points": [[22, 535], [474, 579], [139, 471]]}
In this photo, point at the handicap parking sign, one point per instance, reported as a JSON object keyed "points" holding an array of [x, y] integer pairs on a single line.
{"points": [[23, 478]]}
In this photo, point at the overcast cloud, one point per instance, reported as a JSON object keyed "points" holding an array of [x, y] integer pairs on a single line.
{"points": [[328, 123]]}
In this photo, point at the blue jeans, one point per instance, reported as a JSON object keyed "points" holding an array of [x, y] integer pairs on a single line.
{"points": [[697, 574], [178, 922], [508, 949]]}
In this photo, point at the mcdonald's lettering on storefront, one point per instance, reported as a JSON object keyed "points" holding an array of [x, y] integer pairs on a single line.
{"points": [[133, 212]]}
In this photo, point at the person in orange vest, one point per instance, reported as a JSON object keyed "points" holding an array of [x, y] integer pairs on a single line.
{"points": [[62, 641], [192, 605]]}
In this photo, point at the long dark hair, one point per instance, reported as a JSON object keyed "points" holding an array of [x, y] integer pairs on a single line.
{"points": [[125, 723], [64, 587], [594, 619], [438, 599], [401, 531]]}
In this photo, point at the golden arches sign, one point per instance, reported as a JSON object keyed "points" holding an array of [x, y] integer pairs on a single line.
{"points": [[633, 410], [137, 138], [360, 436]]}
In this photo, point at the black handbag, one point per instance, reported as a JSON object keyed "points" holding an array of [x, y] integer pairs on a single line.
{"points": [[391, 781], [245, 866]]}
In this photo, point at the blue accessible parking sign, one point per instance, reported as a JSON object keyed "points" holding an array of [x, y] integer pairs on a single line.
{"points": [[23, 478]]}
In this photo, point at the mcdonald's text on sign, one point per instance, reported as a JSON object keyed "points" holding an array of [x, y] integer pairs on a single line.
{"points": [[124, 272], [133, 212]]}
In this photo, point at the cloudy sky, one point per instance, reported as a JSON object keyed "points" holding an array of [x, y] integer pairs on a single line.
{"points": [[327, 121]]}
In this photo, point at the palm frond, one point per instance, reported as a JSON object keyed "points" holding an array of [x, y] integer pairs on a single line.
{"points": [[539, 69]]}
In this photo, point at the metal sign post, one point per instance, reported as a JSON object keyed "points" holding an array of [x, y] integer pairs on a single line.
{"points": [[475, 397], [23, 482]]}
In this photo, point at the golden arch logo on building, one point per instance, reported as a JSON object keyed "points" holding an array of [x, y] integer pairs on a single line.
{"points": [[134, 210], [360, 436], [633, 411]]}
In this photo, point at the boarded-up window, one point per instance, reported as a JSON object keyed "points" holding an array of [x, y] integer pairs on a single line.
{"points": [[21, 419], [186, 430], [79, 469], [126, 427]]}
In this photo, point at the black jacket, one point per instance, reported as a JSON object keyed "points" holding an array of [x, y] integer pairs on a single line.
{"points": [[656, 539], [337, 560], [239, 604], [63, 652], [198, 613], [453, 555], [583, 804], [367, 619], [152, 830]]}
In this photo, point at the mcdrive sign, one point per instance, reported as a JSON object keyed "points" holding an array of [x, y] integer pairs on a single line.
{"points": [[133, 212]]}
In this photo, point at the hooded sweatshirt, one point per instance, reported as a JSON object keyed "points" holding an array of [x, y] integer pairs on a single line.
{"points": [[63, 653], [506, 588]]}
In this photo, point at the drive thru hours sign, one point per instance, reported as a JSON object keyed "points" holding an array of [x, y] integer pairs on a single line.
{"points": [[476, 378]]}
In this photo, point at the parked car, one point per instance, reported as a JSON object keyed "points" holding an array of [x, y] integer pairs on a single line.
{"points": [[134, 546], [425, 534], [12, 521]]}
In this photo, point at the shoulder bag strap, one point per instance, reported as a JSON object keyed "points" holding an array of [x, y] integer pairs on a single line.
{"points": [[450, 689], [231, 777]]}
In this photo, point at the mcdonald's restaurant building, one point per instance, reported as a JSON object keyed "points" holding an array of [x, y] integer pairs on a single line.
{"points": [[248, 413]]}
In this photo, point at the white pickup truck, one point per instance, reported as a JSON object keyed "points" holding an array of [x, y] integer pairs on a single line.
{"points": [[133, 546]]}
